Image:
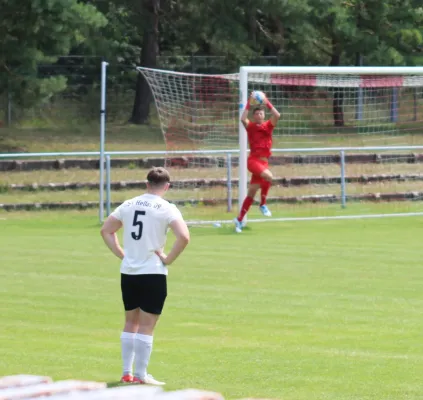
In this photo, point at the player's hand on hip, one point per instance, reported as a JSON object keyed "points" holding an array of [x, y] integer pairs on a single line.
{"points": [[162, 256]]}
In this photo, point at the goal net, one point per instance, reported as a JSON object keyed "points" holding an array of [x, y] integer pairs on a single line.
{"points": [[349, 140]]}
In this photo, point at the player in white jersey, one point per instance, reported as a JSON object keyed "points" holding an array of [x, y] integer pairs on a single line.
{"points": [[146, 220]]}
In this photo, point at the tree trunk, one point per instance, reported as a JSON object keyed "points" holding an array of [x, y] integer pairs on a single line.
{"points": [[252, 27], [280, 36], [338, 94], [143, 96]]}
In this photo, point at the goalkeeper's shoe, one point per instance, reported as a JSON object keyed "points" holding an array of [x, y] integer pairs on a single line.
{"points": [[148, 380], [265, 211], [238, 225], [127, 378]]}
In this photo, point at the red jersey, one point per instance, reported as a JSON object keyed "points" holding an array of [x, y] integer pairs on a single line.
{"points": [[260, 138]]}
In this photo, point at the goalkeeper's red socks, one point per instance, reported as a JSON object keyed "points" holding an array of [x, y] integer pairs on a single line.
{"points": [[265, 186], [245, 207]]}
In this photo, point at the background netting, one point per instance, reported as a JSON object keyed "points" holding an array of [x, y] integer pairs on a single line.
{"points": [[201, 112]]}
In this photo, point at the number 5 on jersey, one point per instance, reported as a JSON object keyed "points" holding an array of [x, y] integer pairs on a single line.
{"points": [[137, 235]]}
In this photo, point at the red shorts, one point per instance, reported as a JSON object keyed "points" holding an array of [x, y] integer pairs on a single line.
{"points": [[256, 166]]}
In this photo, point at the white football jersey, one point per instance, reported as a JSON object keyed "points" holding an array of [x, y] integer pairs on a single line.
{"points": [[145, 221]]}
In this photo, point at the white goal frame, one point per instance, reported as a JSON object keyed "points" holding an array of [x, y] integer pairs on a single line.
{"points": [[243, 97]]}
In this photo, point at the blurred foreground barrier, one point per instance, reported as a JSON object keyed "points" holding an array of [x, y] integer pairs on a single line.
{"points": [[19, 387]]}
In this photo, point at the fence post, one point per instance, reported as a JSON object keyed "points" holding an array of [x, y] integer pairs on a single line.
{"points": [[229, 180], [102, 136], [394, 105], [343, 186], [108, 178], [415, 104]]}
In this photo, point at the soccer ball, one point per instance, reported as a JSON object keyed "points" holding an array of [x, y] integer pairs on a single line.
{"points": [[257, 97]]}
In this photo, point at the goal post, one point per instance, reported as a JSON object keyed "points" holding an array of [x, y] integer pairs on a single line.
{"points": [[349, 139], [243, 142]]}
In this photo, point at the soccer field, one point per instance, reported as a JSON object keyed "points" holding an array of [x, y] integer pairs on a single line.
{"points": [[306, 310]]}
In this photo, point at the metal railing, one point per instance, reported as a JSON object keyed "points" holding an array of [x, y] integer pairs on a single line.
{"points": [[108, 155]]}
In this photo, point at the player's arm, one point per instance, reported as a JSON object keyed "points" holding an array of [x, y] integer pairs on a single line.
{"points": [[181, 232], [108, 233], [244, 116], [275, 115]]}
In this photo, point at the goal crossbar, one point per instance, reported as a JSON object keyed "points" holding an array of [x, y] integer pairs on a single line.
{"points": [[333, 70]]}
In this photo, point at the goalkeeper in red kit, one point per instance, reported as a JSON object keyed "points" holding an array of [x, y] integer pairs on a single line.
{"points": [[259, 134]]}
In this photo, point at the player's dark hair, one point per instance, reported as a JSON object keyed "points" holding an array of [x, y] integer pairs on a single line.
{"points": [[158, 176], [258, 108]]}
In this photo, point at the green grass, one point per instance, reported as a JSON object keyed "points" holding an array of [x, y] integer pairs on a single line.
{"points": [[309, 310], [305, 210], [124, 137], [86, 137]]}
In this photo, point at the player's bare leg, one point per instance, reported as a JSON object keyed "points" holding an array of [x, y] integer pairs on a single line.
{"points": [[267, 178], [267, 175], [144, 347], [248, 201], [127, 340]]}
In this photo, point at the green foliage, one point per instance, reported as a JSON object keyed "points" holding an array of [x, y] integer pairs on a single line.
{"points": [[301, 32], [384, 33], [37, 31], [120, 39]]}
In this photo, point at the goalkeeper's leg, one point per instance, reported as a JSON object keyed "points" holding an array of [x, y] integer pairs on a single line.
{"points": [[247, 203], [266, 182], [261, 178]]}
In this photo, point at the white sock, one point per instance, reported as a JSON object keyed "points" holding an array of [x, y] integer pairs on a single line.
{"points": [[143, 349], [127, 340]]}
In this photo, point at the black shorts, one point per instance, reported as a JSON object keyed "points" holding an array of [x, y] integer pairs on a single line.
{"points": [[147, 292]]}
